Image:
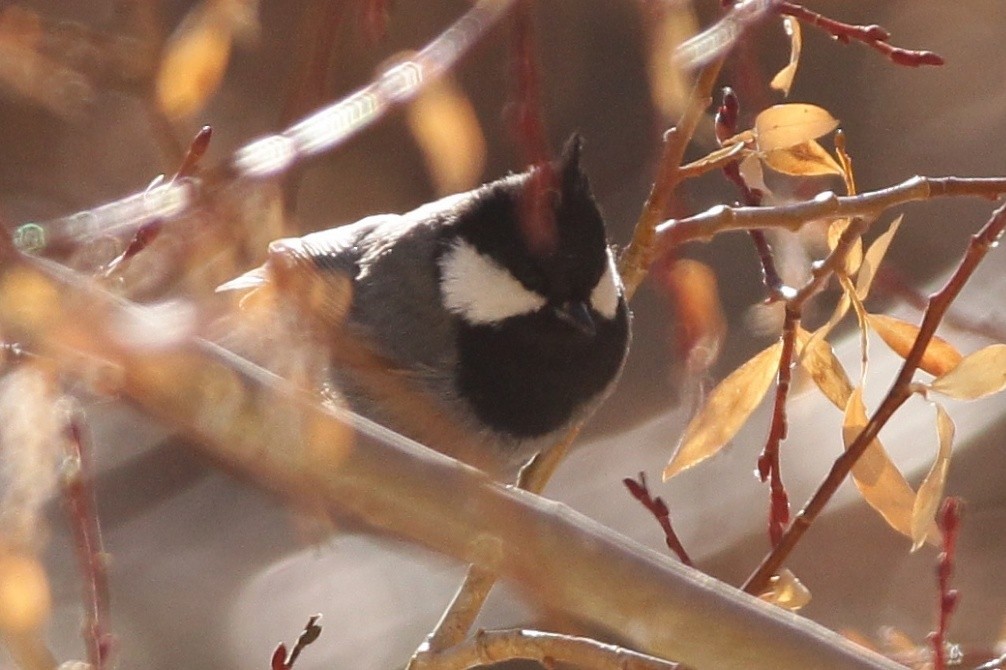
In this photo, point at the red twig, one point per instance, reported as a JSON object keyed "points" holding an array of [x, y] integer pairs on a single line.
{"points": [[149, 231], [949, 520], [197, 149], [726, 126], [769, 468], [768, 462], [899, 392], [658, 508], [872, 36], [281, 660], [537, 223], [375, 15], [79, 499]]}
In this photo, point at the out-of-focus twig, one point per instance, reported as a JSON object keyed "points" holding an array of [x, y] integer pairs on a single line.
{"points": [[282, 438], [825, 206], [79, 496]]}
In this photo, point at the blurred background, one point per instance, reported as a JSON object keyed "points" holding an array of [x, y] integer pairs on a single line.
{"points": [[206, 571]]}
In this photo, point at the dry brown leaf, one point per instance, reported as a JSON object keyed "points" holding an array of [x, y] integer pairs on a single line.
{"points": [[783, 80], [786, 591], [807, 159], [853, 259], [873, 258], [940, 356], [879, 481], [819, 360], [931, 490], [725, 152], [700, 322], [194, 61], [444, 123], [753, 175], [782, 126], [670, 83], [24, 592], [725, 411], [978, 375]]}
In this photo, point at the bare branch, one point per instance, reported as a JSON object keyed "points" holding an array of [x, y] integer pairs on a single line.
{"points": [[284, 440], [488, 647], [825, 206]]}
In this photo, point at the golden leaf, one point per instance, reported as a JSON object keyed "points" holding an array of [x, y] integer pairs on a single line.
{"points": [[879, 481], [940, 356], [807, 159], [725, 152], [725, 411], [444, 123], [783, 80], [931, 490], [753, 175], [976, 376], [786, 591], [819, 360], [700, 323], [669, 80], [782, 126], [195, 59], [24, 592], [853, 259], [873, 257]]}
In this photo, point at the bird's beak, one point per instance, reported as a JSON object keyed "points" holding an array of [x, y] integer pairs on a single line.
{"points": [[577, 314]]}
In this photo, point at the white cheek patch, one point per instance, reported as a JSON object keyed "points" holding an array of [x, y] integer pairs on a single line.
{"points": [[604, 297], [480, 290]]}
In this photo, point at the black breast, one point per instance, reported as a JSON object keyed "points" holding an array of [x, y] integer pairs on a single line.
{"points": [[529, 375]]}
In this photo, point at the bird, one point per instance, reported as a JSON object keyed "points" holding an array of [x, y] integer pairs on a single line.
{"points": [[449, 325]]}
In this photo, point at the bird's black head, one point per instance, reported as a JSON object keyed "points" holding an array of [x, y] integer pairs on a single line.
{"points": [[540, 334]]}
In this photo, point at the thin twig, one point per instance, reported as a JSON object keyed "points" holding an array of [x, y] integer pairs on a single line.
{"points": [[824, 206], [768, 462], [488, 647], [949, 520], [281, 660], [899, 392], [79, 497], [635, 261], [872, 36], [658, 508]]}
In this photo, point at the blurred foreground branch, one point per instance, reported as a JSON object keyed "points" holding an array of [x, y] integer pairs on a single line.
{"points": [[287, 442]]}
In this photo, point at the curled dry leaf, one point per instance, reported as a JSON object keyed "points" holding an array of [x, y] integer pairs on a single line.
{"points": [[807, 159], [786, 591], [879, 481], [854, 259], [837, 314], [725, 411], [940, 356], [782, 126], [444, 123], [753, 175], [194, 61], [978, 375], [783, 80], [700, 324], [931, 490], [873, 258], [819, 360], [670, 83]]}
